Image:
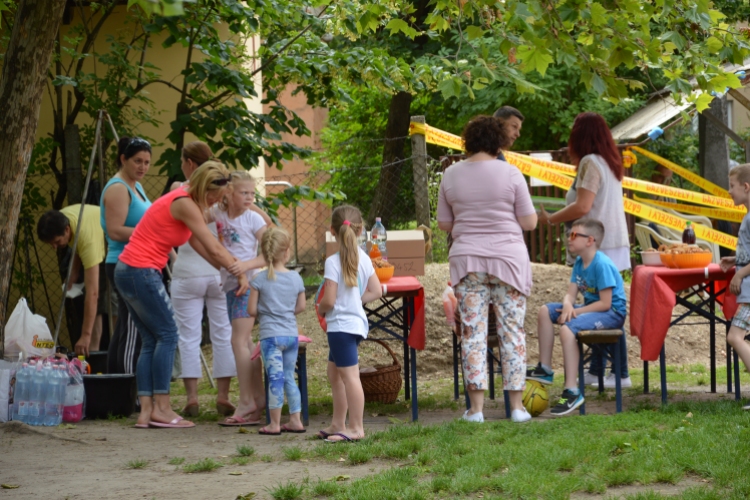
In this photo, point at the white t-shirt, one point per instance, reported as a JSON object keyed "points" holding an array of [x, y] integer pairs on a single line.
{"points": [[347, 314], [238, 237]]}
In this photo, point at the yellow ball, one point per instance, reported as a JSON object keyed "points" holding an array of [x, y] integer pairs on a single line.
{"points": [[535, 398]]}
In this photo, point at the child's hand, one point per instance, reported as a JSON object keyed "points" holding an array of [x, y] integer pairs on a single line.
{"points": [[727, 263], [568, 313], [244, 285], [735, 286]]}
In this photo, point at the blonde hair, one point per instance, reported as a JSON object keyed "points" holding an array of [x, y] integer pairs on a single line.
{"points": [[202, 181], [236, 176], [273, 245], [741, 173], [346, 234], [198, 151]]}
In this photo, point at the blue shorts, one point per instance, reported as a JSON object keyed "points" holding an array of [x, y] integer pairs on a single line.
{"points": [[609, 320], [343, 348], [237, 306]]}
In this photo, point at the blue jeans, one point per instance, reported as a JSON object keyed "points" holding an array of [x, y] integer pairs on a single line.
{"points": [[279, 356], [609, 320], [151, 310]]}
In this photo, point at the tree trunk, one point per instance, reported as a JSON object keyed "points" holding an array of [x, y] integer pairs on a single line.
{"points": [[27, 60], [393, 151]]}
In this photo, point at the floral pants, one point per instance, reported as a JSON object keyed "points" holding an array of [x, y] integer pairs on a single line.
{"points": [[475, 293]]}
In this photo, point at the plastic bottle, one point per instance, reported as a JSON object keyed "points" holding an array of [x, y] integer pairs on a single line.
{"points": [[21, 395], [74, 392], [36, 396], [378, 237], [52, 401], [62, 385], [362, 239], [688, 235], [449, 305], [85, 366]]}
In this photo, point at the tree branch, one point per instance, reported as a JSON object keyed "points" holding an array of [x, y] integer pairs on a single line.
{"points": [[143, 85]]}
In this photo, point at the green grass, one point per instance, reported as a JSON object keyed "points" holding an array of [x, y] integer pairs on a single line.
{"points": [[292, 453], [266, 458], [240, 460], [313, 280], [176, 461], [138, 463], [288, 491], [244, 450], [205, 465]]}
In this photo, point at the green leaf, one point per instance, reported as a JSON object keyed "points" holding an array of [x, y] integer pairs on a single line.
{"points": [[399, 25], [534, 58], [714, 44], [598, 14], [703, 101], [474, 32]]}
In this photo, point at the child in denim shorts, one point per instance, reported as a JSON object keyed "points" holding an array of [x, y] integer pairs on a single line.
{"points": [[604, 308], [739, 190]]}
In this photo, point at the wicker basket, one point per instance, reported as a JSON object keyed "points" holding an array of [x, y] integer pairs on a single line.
{"points": [[384, 384]]}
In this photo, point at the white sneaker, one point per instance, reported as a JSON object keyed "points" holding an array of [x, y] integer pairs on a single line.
{"points": [[609, 382], [590, 379], [520, 416], [477, 417], [746, 407]]}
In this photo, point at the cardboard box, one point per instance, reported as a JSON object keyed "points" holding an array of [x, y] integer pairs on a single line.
{"points": [[405, 251]]}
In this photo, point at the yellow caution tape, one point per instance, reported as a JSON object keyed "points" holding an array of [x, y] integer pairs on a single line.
{"points": [[676, 222], [558, 174], [686, 174], [711, 213]]}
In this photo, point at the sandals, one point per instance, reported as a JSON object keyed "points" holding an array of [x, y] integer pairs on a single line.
{"points": [[286, 428], [264, 432], [344, 438], [173, 424], [235, 421], [225, 409], [191, 410]]}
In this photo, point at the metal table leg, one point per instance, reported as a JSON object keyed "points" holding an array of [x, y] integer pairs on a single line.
{"points": [[663, 373]]}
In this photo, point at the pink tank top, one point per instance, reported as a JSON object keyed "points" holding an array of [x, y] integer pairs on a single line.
{"points": [[156, 234]]}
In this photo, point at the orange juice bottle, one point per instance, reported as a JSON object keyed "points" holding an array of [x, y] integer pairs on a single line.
{"points": [[374, 252]]}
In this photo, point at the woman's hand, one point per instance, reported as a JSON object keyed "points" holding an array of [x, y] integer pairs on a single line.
{"points": [[543, 215], [238, 267], [727, 263]]}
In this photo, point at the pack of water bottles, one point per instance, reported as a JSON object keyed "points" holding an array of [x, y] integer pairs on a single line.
{"points": [[48, 392]]}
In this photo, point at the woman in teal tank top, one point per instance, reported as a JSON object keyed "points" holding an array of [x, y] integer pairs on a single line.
{"points": [[123, 204]]}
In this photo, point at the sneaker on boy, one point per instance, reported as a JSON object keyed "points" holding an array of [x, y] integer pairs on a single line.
{"points": [[567, 403], [540, 374], [609, 382]]}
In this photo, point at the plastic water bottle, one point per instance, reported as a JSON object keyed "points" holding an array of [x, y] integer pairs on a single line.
{"points": [[52, 401], [36, 396], [378, 237], [362, 239], [62, 386], [74, 393], [21, 396]]}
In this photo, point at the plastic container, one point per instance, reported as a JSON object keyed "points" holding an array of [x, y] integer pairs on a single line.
{"points": [[21, 395], [362, 239], [651, 259], [112, 394], [692, 260], [449, 306], [378, 236], [85, 367], [385, 273], [688, 235], [74, 393], [36, 396]]}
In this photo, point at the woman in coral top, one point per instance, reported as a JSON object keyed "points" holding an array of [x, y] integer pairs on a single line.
{"points": [[171, 221]]}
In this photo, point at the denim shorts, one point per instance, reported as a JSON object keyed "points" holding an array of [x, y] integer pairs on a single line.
{"points": [[343, 348], [608, 320], [237, 306]]}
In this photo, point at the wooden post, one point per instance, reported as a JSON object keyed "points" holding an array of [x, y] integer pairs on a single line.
{"points": [[421, 179], [73, 164]]}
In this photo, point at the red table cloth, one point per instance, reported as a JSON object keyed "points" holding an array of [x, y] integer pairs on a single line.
{"points": [[410, 285], [652, 299]]}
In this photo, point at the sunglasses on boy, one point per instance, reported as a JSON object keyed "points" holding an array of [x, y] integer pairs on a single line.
{"points": [[573, 235]]}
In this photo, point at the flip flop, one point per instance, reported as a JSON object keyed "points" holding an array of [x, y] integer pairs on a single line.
{"points": [[344, 438], [256, 352], [238, 422], [322, 435], [141, 426], [174, 424], [225, 409], [191, 410], [285, 428], [264, 432]]}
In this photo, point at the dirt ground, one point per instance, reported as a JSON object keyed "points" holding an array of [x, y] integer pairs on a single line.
{"points": [[90, 460], [684, 344]]}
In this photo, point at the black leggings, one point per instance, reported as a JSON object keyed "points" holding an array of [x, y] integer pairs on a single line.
{"points": [[125, 342]]}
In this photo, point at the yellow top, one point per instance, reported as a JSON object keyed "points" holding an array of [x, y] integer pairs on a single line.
{"points": [[91, 240]]}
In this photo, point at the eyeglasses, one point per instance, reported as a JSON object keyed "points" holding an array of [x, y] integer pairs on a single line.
{"points": [[136, 142], [573, 235], [222, 181]]}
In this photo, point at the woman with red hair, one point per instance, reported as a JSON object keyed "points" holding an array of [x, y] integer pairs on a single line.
{"points": [[597, 194]]}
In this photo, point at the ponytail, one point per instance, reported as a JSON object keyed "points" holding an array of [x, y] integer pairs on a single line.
{"points": [[346, 221], [273, 246]]}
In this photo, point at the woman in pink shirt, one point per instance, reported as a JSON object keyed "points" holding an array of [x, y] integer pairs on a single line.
{"points": [[485, 204], [171, 221]]}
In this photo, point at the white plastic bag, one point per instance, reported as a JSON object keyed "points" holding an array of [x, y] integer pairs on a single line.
{"points": [[28, 333], [7, 374]]}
